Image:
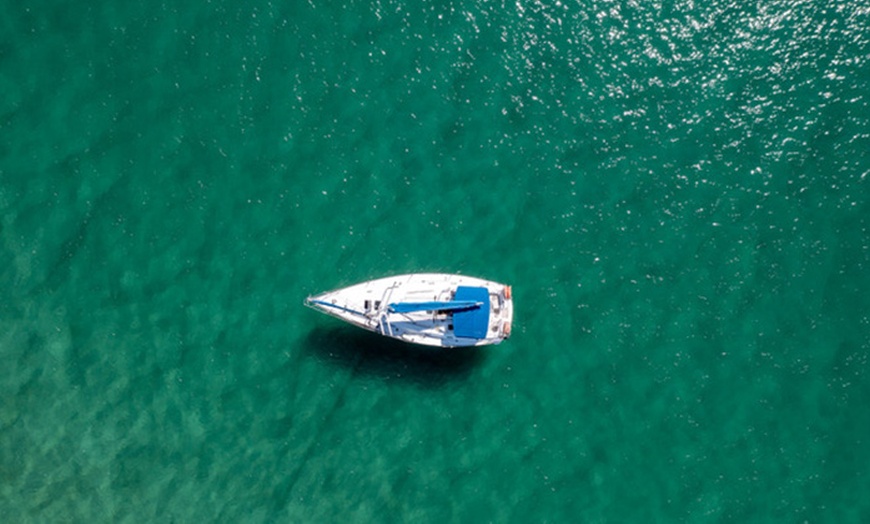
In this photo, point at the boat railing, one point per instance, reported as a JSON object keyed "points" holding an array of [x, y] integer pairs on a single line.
{"points": [[388, 292], [384, 324]]}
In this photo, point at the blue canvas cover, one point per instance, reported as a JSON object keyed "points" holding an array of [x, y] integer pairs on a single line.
{"points": [[472, 323]]}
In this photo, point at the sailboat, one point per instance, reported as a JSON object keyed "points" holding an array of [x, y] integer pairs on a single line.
{"points": [[432, 309]]}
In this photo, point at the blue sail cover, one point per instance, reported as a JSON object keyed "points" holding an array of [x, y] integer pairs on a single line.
{"points": [[453, 305], [472, 323]]}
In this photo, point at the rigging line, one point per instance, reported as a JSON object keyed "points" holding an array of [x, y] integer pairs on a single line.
{"points": [[336, 306]]}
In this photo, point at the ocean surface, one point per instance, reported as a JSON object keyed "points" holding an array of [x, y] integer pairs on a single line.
{"points": [[678, 192]]}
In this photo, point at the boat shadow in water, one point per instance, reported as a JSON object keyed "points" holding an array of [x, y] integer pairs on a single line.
{"points": [[374, 356]]}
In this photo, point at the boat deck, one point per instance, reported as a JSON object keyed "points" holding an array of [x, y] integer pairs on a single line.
{"points": [[368, 305]]}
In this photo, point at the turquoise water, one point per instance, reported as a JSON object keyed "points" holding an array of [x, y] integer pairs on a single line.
{"points": [[678, 194]]}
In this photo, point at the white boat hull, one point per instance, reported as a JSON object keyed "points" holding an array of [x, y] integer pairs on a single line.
{"points": [[433, 309]]}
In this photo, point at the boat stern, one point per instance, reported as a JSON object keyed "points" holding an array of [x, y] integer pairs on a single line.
{"points": [[503, 313]]}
